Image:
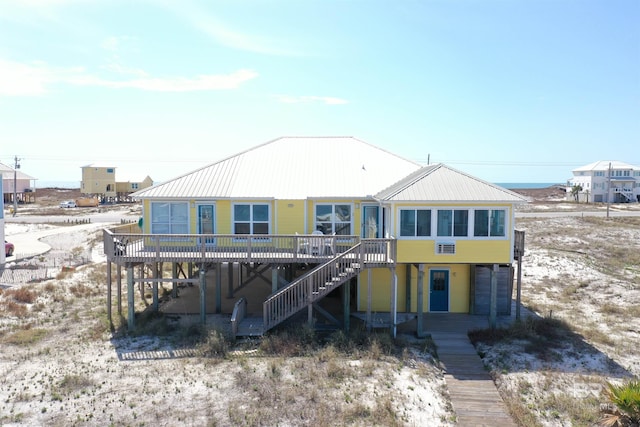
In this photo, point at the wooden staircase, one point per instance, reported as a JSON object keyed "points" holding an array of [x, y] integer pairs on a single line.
{"points": [[305, 291]]}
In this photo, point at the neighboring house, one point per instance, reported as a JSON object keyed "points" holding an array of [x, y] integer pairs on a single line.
{"points": [[333, 225], [99, 181], [605, 181], [13, 180], [125, 187]]}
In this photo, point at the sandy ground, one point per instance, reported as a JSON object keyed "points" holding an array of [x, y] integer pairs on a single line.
{"points": [[79, 374]]}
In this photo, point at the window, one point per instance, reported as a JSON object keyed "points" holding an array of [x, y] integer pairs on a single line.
{"points": [[489, 223], [453, 222], [134, 185], [332, 219], [251, 219], [169, 218], [415, 222], [109, 170]]}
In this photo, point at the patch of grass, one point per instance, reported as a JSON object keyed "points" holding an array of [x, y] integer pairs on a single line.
{"points": [[80, 290], [25, 336], [21, 295], [215, 344], [14, 309], [72, 383], [544, 334]]}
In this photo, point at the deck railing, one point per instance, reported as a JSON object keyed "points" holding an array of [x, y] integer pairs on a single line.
{"points": [[125, 247]]}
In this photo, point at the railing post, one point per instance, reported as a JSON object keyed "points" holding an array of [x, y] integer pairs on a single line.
{"points": [[310, 300]]}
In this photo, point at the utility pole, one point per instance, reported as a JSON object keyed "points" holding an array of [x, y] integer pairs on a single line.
{"points": [[15, 185], [609, 190]]}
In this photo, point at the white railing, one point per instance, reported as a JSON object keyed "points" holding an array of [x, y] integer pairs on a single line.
{"points": [[312, 286], [238, 315], [126, 247]]}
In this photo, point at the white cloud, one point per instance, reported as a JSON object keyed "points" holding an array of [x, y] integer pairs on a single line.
{"points": [[227, 36], [20, 79], [17, 79], [287, 99]]}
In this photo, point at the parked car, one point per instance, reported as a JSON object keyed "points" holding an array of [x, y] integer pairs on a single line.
{"points": [[8, 248], [68, 204]]}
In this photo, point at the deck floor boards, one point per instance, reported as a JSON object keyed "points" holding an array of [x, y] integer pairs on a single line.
{"points": [[474, 396]]}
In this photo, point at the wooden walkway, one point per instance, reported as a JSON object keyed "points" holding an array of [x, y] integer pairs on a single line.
{"points": [[474, 396]]}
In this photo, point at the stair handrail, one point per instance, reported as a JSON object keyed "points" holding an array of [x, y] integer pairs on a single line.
{"points": [[312, 286], [238, 314]]}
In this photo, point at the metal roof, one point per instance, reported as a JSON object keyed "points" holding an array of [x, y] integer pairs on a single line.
{"points": [[603, 165], [292, 168], [440, 183]]}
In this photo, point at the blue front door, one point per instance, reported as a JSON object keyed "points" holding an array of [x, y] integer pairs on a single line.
{"points": [[439, 290]]}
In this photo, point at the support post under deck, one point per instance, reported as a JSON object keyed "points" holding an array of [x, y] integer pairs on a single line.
{"points": [[346, 304], [203, 296], [109, 318], [156, 275], [174, 275], [131, 310], [230, 266], [420, 308], [493, 307], [394, 301], [218, 288], [119, 294]]}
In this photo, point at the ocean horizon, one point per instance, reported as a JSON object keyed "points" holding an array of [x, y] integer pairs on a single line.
{"points": [[57, 184], [521, 185]]}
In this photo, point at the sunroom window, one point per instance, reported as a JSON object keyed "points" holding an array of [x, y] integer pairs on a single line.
{"points": [[415, 222], [333, 218], [489, 223], [453, 222], [169, 218], [251, 218]]}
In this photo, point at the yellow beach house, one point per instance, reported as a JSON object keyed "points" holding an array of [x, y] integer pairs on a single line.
{"points": [[322, 229]]}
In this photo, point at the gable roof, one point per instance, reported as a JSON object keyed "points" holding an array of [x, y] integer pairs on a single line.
{"points": [[603, 165], [7, 173], [440, 183], [292, 168]]}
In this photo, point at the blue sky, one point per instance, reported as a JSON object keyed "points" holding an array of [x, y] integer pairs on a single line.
{"points": [[508, 91]]}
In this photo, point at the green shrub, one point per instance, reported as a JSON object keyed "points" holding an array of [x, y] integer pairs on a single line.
{"points": [[623, 408]]}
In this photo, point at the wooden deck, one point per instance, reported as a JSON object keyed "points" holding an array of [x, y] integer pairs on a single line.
{"points": [[132, 248]]}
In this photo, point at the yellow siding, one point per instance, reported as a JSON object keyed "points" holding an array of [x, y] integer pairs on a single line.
{"points": [[96, 179], [459, 285], [467, 251], [146, 216], [223, 217], [289, 217]]}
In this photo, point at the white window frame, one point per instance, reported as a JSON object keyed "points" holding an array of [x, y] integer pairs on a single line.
{"points": [[252, 222], [333, 217], [453, 222], [171, 222], [491, 210], [415, 209]]}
